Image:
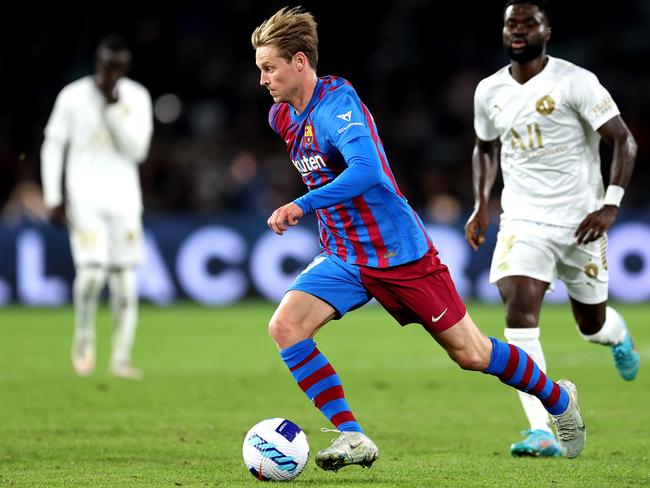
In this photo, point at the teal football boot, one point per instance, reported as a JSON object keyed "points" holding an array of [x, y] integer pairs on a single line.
{"points": [[626, 358], [537, 443]]}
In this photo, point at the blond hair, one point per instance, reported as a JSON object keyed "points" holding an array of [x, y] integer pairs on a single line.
{"points": [[289, 31]]}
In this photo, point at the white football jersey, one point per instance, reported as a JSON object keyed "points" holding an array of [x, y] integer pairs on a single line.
{"points": [[550, 157], [105, 144]]}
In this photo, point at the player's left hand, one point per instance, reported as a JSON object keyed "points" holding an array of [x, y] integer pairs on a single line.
{"points": [[596, 224], [283, 217]]}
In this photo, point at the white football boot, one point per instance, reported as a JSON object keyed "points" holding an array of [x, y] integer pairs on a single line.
{"points": [[83, 358], [570, 428], [125, 371], [349, 448]]}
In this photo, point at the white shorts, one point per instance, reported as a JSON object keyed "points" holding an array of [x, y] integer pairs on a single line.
{"points": [[105, 240], [546, 252]]}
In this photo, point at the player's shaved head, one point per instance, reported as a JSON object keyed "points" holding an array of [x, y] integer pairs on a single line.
{"points": [[544, 6], [113, 49], [289, 31]]}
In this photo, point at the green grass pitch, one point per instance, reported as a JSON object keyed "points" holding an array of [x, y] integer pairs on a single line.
{"points": [[210, 374]]}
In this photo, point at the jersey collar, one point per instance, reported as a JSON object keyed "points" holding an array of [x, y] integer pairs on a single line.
{"points": [[314, 99]]}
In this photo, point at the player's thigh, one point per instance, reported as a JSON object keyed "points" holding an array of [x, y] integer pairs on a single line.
{"points": [[124, 240], [524, 249], [583, 268], [419, 292], [334, 282], [88, 238]]}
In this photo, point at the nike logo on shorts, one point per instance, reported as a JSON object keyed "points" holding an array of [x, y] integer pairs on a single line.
{"points": [[435, 319]]}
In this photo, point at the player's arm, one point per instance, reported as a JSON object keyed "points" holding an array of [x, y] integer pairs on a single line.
{"points": [[130, 126], [485, 166], [616, 134], [52, 159], [363, 173]]}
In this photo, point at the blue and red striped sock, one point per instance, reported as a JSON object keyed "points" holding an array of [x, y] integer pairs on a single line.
{"points": [[317, 378], [514, 367]]}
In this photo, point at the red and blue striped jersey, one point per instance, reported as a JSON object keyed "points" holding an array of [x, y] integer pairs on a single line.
{"points": [[334, 144]]}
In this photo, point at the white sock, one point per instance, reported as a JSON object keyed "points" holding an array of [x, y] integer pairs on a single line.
{"points": [[612, 332], [87, 286], [528, 340], [124, 300]]}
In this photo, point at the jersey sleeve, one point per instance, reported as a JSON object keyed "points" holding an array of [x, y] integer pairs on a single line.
{"points": [[343, 119], [130, 123], [59, 124], [483, 124], [273, 117], [591, 99], [57, 133]]}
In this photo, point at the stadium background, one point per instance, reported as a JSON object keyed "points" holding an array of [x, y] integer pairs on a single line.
{"points": [[216, 170]]}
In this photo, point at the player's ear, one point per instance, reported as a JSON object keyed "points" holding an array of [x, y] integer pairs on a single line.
{"points": [[300, 60]]}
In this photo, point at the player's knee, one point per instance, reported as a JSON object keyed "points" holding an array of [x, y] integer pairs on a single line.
{"points": [[281, 330], [90, 281], [123, 287], [470, 360], [517, 319]]}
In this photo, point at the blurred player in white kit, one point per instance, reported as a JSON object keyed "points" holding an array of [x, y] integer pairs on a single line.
{"points": [[101, 125]]}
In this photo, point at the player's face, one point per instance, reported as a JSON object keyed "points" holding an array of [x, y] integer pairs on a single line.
{"points": [[277, 75], [111, 66], [525, 32]]}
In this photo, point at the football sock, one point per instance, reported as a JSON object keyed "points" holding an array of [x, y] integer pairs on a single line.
{"points": [[124, 302], [87, 286], [515, 368], [527, 339], [612, 332], [317, 378]]}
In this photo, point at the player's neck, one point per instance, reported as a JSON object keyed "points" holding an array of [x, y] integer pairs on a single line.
{"points": [[522, 72], [303, 97]]}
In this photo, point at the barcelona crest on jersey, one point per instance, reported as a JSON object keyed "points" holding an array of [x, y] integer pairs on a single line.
{"points": [[309, 135]]}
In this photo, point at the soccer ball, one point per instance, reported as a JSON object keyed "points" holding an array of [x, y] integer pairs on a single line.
{"points": [[275, 450]]}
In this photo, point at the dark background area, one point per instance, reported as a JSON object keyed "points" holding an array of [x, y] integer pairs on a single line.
{"points": [[414, 63]]}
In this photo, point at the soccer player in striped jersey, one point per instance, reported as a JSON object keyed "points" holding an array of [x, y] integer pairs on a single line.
{"points": [[546, 116], [373, 245]]}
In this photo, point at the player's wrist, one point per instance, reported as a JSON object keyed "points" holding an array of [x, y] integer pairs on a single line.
{"points": [[480, 205], [302, 203], [614, 195]]}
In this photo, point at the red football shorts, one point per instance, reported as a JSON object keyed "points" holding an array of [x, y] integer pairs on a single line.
{"points": [[420, 292]]}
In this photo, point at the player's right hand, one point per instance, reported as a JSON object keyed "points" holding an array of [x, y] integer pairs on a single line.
{"points": [[108, 87], [476, 226], [283, 217], [57, 216]]}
